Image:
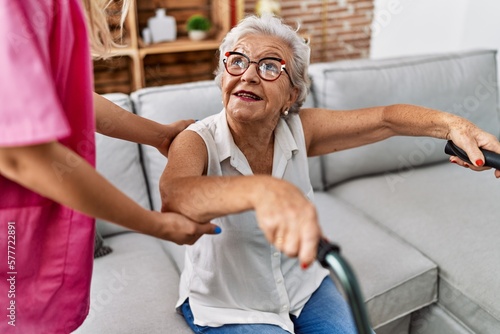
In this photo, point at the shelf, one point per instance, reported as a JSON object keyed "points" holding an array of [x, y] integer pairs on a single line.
{"points": [[167, 62], [125, 51], [180, 45]]}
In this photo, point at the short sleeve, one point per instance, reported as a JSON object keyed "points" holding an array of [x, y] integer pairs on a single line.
{"points": [[31, 111]]}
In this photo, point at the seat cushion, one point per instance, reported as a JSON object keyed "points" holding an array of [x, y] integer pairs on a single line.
{"points": [[451, 215], [434, 319], [134, 289], [396, 279]]}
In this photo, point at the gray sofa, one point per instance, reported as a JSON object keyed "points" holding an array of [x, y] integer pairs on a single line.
{"points": [[422, 234]]}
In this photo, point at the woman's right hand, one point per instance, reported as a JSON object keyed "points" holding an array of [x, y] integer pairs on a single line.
{"points": [[288, 220]]}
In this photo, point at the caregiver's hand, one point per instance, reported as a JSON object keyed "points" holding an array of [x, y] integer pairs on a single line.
{"points": [[180, 229]]}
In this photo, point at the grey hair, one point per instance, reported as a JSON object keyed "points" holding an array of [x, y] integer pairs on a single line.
{"points": [[272, 26]]}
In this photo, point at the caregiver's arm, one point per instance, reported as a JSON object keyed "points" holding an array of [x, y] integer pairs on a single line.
{"points": [[54, 171], [283, 212], [328, 131], [114, 121]]}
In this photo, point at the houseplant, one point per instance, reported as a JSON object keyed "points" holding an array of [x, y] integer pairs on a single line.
{"points": [[197, 27]]}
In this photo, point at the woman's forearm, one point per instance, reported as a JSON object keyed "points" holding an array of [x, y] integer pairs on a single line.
{"points": [[287, 218], [410, 120], [328, 131], [203, 198], [114, 121], [58, 173]]}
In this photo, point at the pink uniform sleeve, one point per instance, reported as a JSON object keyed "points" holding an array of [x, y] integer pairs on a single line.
{"points": [[31, 110]]}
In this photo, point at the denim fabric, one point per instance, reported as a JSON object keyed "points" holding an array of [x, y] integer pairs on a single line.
{"points": [[326, 312]]}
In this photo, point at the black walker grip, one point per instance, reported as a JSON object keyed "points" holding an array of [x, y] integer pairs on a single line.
{"points": [[491, 159], [329, 256], [324, 247]]}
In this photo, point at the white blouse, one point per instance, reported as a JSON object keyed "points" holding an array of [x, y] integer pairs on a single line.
{"points": [[238, 276]]}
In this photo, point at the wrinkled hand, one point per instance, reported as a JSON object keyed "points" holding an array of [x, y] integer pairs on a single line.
{"points": [[470, 138], [181, 230], [171, 131], [289, 221]]}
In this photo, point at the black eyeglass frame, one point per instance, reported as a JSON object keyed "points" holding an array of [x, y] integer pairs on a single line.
{"points": [[283, 67]]}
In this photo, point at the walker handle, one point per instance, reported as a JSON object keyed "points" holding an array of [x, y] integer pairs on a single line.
{"points": [[491, 159], [330, 258]]}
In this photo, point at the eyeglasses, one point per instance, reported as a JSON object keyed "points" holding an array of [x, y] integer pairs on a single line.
{"points": [[268, 68]]}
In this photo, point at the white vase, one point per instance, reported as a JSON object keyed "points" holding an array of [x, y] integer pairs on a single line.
{"points": [[197, 35], [268, 7], [162, 27]]}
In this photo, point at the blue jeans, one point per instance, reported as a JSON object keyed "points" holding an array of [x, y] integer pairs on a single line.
{"points": [[326, 312]]}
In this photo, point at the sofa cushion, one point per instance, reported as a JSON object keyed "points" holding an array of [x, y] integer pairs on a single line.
{"points": [[462, 83], [396, 279], [168, 104], [434, 319], [119, 162], [134, 289], [451, 215], [171, 103]]}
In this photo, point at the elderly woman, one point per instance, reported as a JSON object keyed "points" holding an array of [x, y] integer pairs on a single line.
{"points": [[237, 168]]}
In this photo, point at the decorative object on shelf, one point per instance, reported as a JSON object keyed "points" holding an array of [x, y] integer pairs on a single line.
{"points": [[198, 27], [144, 63], [147, 37], [162, 28], [268, 7]]}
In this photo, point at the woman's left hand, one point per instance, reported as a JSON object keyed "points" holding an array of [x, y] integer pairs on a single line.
{"points": [[470, 138]]}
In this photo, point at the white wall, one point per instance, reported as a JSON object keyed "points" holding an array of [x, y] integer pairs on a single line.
{"points": [[482, 24], [412, 27], [409, 27]]}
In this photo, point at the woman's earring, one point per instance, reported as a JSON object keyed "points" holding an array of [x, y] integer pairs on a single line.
{"points": [[285, 112]]}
